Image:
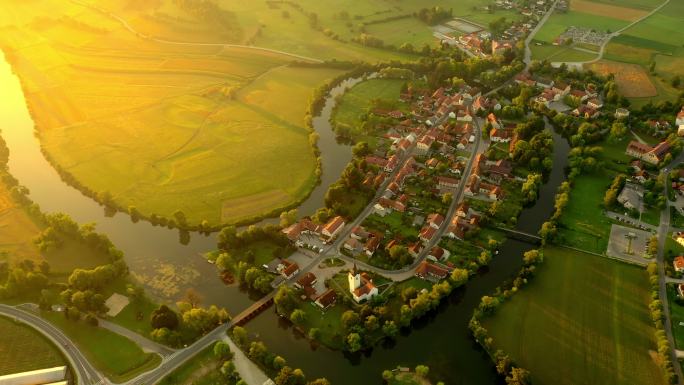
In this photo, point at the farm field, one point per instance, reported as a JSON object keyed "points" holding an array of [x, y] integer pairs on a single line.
{"points": [[560, 53], [23, 348], [656, 39], [632, 80], [583, 319], [169, 126], [115, 356], [559, 22]]}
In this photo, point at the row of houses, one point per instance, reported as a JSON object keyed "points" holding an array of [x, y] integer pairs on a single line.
{"points": [[327, 232]]}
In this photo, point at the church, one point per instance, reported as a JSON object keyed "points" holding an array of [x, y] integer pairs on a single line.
{"points": [[361, 285]]}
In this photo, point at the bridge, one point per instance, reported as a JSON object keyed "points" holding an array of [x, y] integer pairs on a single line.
{"points": [[521, 235], [254, 310]]}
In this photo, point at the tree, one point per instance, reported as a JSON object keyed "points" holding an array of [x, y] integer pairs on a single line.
{"points": [[279, 362], [350, 318], [446, 198], [518, 376], [228, 369], [163, 317], [387, 375], [532, 257], [618, 130], [676, 81], [285, 300], [240, 336], [257, 351], [288, 217], [422, 370], [354, 342], [390, 329], [298, 317], [222, 350], [193, 297], [459, 277], [372, 323]]}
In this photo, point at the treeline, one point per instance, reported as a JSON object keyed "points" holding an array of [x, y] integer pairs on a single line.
{"points": [[505, 366], [433, 15], [658, 317], [275, 366], [191, 321]]}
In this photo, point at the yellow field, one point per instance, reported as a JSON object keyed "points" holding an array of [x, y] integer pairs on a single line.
{"points": [[631, 79], [217, 132], [17, 231], [602, 9]]}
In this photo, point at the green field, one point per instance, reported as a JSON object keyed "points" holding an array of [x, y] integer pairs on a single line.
{"points": [[355, 104], [115, 356], [202, 369], [559, 22], [23, 349], [676, 315], [582, 320], [560, 53]]}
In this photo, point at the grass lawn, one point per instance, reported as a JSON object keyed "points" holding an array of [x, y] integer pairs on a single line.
{"points": [[676, 315], [328, 321], [356, 102], [583, 224], [559, 22], [582, 320], [129, 316], [406, 30], [22, 349], [202, 369], [117, 357]]}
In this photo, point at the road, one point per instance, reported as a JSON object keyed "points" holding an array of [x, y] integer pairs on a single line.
{"points": [[85, 373], [663, 231], [528, 52]]}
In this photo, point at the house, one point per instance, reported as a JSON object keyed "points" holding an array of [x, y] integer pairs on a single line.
{"points": [[561, 88], [493, 120], [372, 244], [586, 112], [432, 163], [424, 144], [307, 280], [431, 271], [499, 135], [680, 289], [595, 104], [621, 113], [305, 226], [376, 161], [437, 254], [579, 95], [472, 186], [427, 234], [446, 182], [680, 130], [464, 116], [435, 220], [287, 268], [500, 47], [359, 233], [326, 299], [353, 245], [679, 264], [333, 227], [680, 117], [463, 210], [391, 163], [361, 285], [414, 249]]}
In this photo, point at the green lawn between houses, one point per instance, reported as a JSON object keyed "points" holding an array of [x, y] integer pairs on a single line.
{"points": [[22, 349], [117, 357], [583, 319]]}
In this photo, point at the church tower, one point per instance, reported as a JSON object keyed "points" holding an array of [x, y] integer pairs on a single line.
{"points": [[354, 279]]}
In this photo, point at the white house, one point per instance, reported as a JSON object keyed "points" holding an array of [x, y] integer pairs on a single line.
{"points": [[361, 285]]}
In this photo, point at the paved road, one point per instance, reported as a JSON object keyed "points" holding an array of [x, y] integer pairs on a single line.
{"points": [[146, 344], [663, 230], [85, 373]]}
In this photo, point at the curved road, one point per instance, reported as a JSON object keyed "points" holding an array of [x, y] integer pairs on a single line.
{"points": [[85, 373]]}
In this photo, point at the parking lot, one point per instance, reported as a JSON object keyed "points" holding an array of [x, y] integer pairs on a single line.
{"points": [[619, 244]]}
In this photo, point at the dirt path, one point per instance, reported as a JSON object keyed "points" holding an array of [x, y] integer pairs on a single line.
{"points": [[130, 28]]}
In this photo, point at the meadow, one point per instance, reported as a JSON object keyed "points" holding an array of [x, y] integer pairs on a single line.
{"points": [[582, 320], [115, 356], [23, 349]]}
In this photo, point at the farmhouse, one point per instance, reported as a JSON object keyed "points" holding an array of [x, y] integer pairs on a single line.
{"points": [[435, 220], [631, 196], [437, 254], [499, 135], [307, 280], [621, 113], [446, 182], [427, 234], [287, 268], [305, 226], [680, 290]]}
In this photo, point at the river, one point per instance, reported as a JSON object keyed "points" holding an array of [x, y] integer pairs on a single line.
{"points": [[154, 254], [441, 339]]}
